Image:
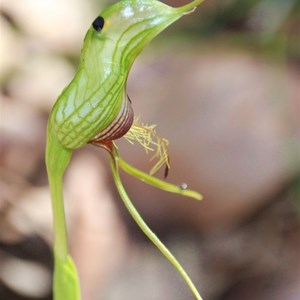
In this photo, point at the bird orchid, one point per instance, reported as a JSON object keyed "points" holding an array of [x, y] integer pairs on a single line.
{"points": [[95, 109]]}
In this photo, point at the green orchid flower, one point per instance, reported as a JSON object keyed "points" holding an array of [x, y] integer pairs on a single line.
{"points": [[95, 109]]}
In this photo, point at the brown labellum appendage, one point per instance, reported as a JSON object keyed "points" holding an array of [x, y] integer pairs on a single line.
{"points": [[118, 127]]}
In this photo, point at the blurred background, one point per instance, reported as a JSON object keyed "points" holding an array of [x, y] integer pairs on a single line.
{"points": [[223, 85]]}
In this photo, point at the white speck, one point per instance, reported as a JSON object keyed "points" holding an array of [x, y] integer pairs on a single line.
{"points": [[107, 72], [183, 186], [128, 12], [156, 21]]}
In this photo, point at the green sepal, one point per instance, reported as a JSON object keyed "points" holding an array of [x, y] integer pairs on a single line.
{"points": [[145, 228], [151, 180]]}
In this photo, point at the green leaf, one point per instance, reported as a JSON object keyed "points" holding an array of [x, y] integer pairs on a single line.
{"points": [[66, 282]]}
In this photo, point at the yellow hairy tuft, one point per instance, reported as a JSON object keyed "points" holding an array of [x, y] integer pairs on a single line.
{"points": [[151, 141]]}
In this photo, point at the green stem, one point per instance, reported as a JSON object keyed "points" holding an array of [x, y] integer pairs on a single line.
{"points": [[65, 280], [148, 232], [59, 221], [57, 160]]}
